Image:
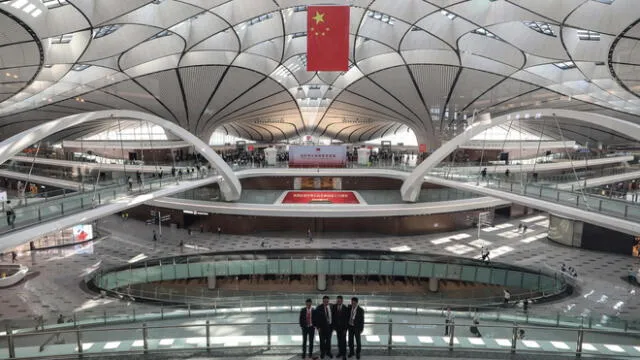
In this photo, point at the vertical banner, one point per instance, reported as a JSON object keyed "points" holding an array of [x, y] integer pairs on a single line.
{"points": [[327, 38], [422, 148]]}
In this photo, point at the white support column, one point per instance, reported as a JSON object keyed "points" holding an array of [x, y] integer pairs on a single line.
{"points": [[411, 186], [229, 186], [322, 282], [433, 284]]}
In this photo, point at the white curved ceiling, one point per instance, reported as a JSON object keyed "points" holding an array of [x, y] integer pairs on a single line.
{"points": [[239, 65]]}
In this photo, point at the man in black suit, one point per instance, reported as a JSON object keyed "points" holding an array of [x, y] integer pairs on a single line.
{"points": [[340, 321], [324, 323], [355, 326], [307, 325]]}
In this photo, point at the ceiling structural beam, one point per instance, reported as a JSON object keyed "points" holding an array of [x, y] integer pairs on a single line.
{"points": [[229, 185], [411, 186]]}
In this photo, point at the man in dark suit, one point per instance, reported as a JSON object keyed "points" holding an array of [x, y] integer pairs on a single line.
{"points": [[307, 325], [355, 326], [324, 323], [340, 321]]}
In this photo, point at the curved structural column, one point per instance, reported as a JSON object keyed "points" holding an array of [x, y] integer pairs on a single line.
{"points": [[411, 186], [229, 185]]}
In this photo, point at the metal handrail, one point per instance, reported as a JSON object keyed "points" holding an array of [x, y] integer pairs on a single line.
{"points": [[272, 340]]}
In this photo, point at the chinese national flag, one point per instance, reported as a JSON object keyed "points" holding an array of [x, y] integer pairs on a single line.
{"points": [[327, 38]]}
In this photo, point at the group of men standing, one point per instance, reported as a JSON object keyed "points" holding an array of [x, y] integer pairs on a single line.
{"points": [[327, 318]]}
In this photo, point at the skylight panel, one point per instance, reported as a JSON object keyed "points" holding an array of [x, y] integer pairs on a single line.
{"points": [[62, 39], [541, 27], [260, 19], [162, 33], [80, 67], [300, 8], [451, 16], [105, 30], [565, 65], [485, 32], [298, 34], [588, 35], [608, 2], [381, 17], [52, 4]]}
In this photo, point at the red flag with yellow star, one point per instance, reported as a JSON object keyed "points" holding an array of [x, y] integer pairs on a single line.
{"points": [[327, 38]]}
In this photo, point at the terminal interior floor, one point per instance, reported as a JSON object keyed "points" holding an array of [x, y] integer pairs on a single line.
{"points": [[604, 291]]}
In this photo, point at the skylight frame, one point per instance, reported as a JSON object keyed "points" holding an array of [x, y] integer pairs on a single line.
{"points": [[62, 39], [80, 67], [565, 65], [54, 4], [450, 15], [105, 30], [588, 35], [485, 32], [382, 17], [541, 27]]}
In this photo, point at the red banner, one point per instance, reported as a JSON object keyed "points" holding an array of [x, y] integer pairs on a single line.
{"points": [[327, 38], [422, 148], [320, 197]]}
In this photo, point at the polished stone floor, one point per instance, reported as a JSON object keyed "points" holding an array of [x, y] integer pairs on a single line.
{"points": [[53, 286]]}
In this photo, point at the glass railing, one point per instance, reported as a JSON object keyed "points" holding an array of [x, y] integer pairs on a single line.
{"points": [[32, 212], [596, 204], [468, 333], [554, 180]]}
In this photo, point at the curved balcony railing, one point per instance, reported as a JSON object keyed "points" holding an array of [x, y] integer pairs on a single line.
{"points": [[378, 336]]}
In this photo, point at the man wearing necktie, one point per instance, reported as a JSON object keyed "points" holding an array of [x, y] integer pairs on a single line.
{"points": [[323, 324], [308, 329], [355, 326], [340, 319]]}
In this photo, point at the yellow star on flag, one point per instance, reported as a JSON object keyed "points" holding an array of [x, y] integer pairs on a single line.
{"points": [[318, 17]]}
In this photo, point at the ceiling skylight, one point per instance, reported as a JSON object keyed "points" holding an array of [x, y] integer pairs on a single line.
{"points": [[105, 30], [52, 4], [588, 35], [62, 39], [381, 17], [565, 65], [541, 27], [448, 14]]}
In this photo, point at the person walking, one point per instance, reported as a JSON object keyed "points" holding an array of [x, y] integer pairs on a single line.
{"points": [[506, 173], [448, 321], [155, 235], [355, 327], [219, 232], [130, 182], [11, 214], [307, 327], [309, 237], [14, 257], [340, 322], [484, 252], [474, 327], [484, 173], [507, 296], [324, 325]]}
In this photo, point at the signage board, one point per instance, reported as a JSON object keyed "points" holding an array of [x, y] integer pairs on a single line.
{"points": [[320, 197], [317, 156], [422, 148]]}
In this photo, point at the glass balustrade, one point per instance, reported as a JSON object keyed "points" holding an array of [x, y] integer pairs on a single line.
{"points": [[33, 210], [279, 332]]}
